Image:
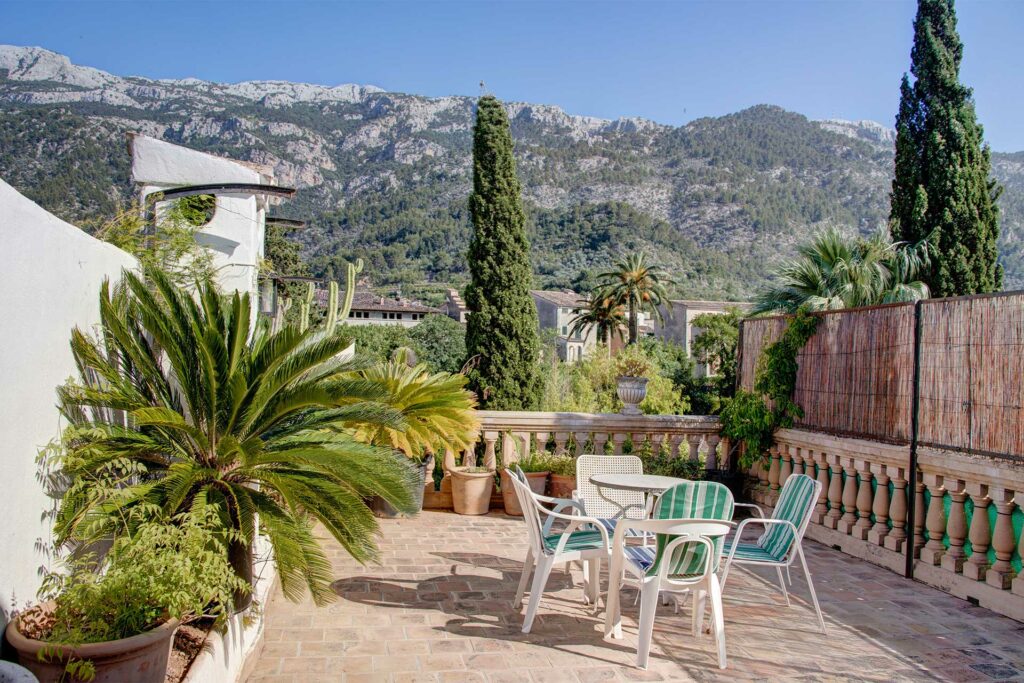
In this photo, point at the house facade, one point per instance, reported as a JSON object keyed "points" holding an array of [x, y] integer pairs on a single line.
{"points": [[677, 324], [371, 309], [555, 311]]}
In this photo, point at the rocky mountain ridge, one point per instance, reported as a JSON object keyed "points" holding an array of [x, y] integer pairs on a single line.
{"points": [[385, 175]]}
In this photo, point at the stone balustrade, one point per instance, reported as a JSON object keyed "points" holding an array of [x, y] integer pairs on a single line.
{"points": [[517, 434], [964, 510]]}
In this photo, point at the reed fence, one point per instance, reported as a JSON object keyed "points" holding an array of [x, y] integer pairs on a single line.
{"points": [[857, 373]]}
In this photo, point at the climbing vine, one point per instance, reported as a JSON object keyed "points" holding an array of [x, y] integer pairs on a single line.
{"points": [[752, 417]]}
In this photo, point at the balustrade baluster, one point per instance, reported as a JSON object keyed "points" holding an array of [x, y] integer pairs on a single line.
{"points": [[693, 447], [580, 443], [880, 507], [541, 441], [711, 462], [600, 442], [835, 492], [785, 464], [1017, 586], [849, 518], [560, 439], [1000, 573], [897, 536], [935, 521], [489, 457], [919, 516], [798, 459], [774, 465], [821, 506], [865, 501], [956, 528], [618, 441], [980, 533]]}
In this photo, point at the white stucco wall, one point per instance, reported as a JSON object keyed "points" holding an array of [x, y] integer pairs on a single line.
{"points": [[50, 275]]}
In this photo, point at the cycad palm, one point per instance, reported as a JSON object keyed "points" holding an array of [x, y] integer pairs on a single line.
{"points": [[217, 411], [835, 271], [437, 409], [601, 313], [637, 285]]}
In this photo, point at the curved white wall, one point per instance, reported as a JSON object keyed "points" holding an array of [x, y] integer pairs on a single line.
{"points": [[50, 275]]}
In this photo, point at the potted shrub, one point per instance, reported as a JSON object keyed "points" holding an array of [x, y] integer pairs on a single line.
{"points": [[221, 409], [471, 490], [114, 620], [536, 470], [438, 414], [632, 366], [563, 476]]}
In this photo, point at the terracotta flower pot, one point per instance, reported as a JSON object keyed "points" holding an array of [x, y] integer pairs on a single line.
{"points": [[537, 482], [562, 485], [384, 509], [471, 491], [140, 659], [632, 391]]}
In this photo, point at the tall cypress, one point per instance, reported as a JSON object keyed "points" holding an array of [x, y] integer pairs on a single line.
{"points": [[943, 190], [501, 329]]}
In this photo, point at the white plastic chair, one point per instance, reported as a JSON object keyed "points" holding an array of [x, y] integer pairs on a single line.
{"points": [[608, 505], [546, 549], [781, 542], [685, 558]]}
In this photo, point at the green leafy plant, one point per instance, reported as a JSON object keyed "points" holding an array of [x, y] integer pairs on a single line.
{"points": [[748, 417], [186, 401], [536, 462], [437, 410], [633, 362], [637, 285], [564, 465], [173, 569]]}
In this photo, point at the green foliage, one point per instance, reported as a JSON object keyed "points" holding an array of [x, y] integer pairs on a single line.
{"points": [[638, 286], [748, 417], [590, 385], [222, 413], [439, 342], [175, 569], [564, 465], [633, 361], [501, 331], [600, 313], [834, 271], [943, 192], [170, 245], [717, 343], [376, 343], [437, 411]]}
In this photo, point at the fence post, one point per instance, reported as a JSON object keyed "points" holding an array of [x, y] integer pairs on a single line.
{"points": [[912, 465]]}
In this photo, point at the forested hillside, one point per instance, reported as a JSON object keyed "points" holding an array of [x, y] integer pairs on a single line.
{"points": [[385, 176]]}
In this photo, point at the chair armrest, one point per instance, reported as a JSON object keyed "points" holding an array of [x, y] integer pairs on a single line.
{"points": [[760, 512], [765, 521], [575, 521]]}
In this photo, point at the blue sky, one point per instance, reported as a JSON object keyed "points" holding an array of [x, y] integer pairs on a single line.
{"points": [[667, 61]]}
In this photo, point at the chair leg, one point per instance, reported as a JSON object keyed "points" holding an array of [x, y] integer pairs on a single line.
{"points": [[593, 583], [789, 579], [782, 584], [810, 585], [700, 598], [725, 575], [649, 591], [718, 618], [527, 569], [540, 579]]}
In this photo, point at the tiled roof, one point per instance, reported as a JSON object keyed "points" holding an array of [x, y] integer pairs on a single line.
{"points": [[365, 300], [560, 298]]}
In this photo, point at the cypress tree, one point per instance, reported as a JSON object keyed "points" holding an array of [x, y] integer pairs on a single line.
{"points": [[501, 330], [943, 190]]}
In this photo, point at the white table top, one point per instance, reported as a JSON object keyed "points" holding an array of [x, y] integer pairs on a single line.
{"points": [[650, 483]]}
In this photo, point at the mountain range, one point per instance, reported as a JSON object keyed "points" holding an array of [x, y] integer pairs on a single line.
{"points": [[385, 176]]}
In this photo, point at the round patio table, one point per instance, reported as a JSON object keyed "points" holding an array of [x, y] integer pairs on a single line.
{"points": [[653, 485]]}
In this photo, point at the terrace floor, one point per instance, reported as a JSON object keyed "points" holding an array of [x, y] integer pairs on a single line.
{"points": [[438, 608]]}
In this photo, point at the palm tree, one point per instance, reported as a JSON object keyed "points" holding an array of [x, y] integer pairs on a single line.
{"points": [[185, 402], [598, 312], [637, 285], [835, 271], [437, 409]]}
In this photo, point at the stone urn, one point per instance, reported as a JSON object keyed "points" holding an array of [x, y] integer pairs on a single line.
{"points": [[632, 391], [471, 490]]}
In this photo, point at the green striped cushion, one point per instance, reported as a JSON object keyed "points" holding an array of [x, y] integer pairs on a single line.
{"points": [[578, 540], [692, 500], [795, 502], [751, 552]]}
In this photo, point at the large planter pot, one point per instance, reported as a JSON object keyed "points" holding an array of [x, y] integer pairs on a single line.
{"points": [[562, 485], [537, 481], [471, 491], [139, 659], [382, 508], [632, 391]]}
